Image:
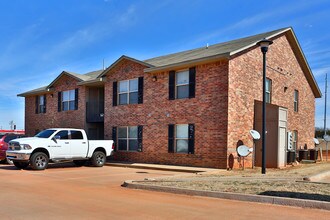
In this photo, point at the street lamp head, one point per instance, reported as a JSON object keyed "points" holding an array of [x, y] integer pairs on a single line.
{"points": [[264, 43]]}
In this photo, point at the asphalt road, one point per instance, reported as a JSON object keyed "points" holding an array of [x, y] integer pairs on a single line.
{"points": [[68, 192]]}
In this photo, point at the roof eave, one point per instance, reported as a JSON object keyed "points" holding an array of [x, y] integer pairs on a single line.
{"points": [[33, 93], [100, 80], [188, 63], [310, 77]]}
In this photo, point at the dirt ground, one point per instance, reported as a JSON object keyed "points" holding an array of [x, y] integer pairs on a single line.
{"points": [[286, 182]]}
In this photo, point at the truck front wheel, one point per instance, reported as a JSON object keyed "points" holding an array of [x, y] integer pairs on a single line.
{"points": [[39, 161], [21, 165], [98, 159]]}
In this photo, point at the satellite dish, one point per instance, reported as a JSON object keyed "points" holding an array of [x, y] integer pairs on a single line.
{"points": [[316, 141], [243, 150], [255, 134], [326, 138]]}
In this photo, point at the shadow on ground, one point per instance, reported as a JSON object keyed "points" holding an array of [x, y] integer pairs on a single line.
{"points": [[297, 195]]}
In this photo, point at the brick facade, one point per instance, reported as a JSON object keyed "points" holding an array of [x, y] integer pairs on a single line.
{"points": [[208, 111], [245, 86], [222, 110], [52, 118]]}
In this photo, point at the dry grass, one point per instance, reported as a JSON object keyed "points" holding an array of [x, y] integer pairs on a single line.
{"points": [[277, 182]]}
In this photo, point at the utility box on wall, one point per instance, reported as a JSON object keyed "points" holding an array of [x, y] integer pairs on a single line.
{"points": [[276, 136]]}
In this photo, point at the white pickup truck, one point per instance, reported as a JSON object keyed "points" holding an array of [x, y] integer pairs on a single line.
{"points": [[58, 144]]}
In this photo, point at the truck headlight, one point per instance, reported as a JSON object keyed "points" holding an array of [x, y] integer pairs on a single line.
{"points": [[26, 147]]}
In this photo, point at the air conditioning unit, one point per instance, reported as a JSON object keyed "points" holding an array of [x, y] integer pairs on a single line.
{"points": [[290, 141]]}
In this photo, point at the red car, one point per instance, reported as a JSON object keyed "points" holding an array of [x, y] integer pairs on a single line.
{"points": [[4, 139]]}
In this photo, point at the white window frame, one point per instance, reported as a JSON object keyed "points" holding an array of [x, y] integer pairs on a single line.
{"points": [[182, 84], [128, 91], [41, 104], [296, 100], [176, 138], [69, 100], [127, 138], [269, 90]]}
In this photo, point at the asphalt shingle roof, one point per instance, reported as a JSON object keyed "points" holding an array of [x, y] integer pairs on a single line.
{"points": [[217, 49]]}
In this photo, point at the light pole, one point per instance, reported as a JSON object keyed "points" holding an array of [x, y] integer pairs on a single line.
{"points": [[264, 43]]}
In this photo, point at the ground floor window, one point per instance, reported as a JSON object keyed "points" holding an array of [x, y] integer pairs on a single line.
{"points": [[129, 138], [181, 138], [294, 139]]}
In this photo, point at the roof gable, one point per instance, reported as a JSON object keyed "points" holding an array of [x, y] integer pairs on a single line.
{"points": [[123, 57]]}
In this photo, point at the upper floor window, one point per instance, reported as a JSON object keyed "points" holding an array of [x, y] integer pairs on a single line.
{"points": [[268, 90], [128, 92], [182, 84], [68, 100], [296, 100], [40, 104]]}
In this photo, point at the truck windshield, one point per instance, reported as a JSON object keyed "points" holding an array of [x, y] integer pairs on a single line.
{"points": [[45, 133]]}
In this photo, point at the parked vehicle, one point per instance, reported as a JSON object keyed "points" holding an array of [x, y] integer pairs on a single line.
{"points": [[4, 139], [58, 144]]}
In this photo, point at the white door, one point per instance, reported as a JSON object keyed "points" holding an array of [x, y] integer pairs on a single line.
{"points": [[282, 142], [282, 148], [78, 144]]}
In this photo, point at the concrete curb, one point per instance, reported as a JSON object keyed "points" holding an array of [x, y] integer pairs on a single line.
{"points": [[317, 177], [304, 203], [154, 168]]}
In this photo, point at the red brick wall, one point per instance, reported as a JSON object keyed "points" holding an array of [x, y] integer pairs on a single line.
{"points": [[245, 85], [208, 111], [224, 104], [53, 118]]}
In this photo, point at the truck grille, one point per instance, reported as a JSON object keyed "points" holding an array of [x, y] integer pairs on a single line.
{"points": [[14, 146]]}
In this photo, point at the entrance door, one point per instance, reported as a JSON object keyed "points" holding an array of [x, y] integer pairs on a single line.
{"points": [[282, 146]]}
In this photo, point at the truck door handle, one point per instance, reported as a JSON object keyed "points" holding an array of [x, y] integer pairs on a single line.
{"points": [[66, 142], [84, 142]]}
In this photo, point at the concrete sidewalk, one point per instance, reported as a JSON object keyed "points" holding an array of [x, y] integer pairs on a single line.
{"points": [[184, 169]]}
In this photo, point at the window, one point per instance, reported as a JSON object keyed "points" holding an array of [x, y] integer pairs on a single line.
{"points": [[10, 137], [40, 104], [268, 90], [76, 135], [296, 100], [128, 92], [181, 138], [128, 138], [68, 100], [294, 139], [62, 135], [182, 84]]}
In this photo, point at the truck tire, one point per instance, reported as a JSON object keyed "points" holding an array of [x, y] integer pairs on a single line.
{"points": [[79, 163], [39, 161], [9, 161], [21, 165], [98, 159]]}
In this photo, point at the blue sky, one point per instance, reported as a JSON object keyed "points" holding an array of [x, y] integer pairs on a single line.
{"points": [[39, 39]]}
